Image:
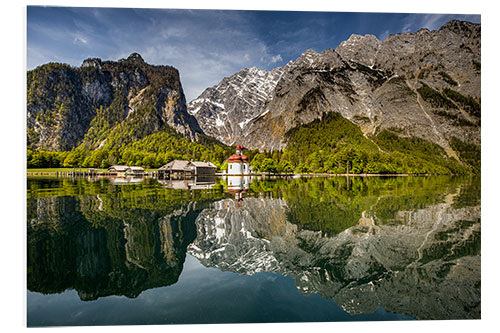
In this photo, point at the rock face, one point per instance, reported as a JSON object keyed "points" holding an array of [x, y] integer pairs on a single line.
{"points": [[67, 106], [224, 110], [424, 84]]}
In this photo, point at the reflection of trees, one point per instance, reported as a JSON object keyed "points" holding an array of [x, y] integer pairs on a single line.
{"points": [[407, 245], [105, 245], [337, 203]]}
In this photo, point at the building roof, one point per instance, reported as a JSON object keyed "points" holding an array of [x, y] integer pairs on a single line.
{"points": [[176, 165], [136, 168], [119, 168], [204, 164], [237, 159]]}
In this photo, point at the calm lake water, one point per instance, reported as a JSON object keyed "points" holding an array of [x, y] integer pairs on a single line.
{"points": [[242, 250]]}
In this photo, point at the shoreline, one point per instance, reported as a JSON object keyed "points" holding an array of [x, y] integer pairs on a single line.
{"points": [[152, 173]]}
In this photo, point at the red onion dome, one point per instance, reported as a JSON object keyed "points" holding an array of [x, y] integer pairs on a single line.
{"points": [[239, 147], [235, 158]]}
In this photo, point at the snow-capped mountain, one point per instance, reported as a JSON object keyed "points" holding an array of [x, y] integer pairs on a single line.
{"points": [[223, 111], [425, 84]]}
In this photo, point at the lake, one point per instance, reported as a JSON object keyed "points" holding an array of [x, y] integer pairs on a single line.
{"points": [[252, 250]]}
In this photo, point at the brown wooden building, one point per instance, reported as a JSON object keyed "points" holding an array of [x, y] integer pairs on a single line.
{"points": [[180, 169], [118, 170], [135, 171]]}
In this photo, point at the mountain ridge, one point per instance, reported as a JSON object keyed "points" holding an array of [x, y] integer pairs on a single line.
{"points": [[422, 86], [69, 106], [379, 85]]}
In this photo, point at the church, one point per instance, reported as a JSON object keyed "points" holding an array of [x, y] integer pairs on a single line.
{"points": [[237, 164]]}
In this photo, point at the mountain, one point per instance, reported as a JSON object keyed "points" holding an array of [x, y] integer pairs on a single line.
{"points": [[413, 100], [224, 110], [422, 85], [104, 103]]}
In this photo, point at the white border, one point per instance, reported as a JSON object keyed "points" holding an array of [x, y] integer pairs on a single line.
{"points": [[13, 240]]}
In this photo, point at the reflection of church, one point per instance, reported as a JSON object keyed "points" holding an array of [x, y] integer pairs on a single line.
{"points": [[238, 185]]}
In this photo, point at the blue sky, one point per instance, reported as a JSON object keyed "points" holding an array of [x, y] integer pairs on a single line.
{"points": [[205, 45]]}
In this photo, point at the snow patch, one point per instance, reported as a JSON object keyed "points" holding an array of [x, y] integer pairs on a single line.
{"points": [[220, 105], [195, 111], [219, 122], [243, 123]]}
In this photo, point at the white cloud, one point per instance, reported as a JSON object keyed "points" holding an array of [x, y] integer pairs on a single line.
{"points": [[205, 49], [276, 58], [80, 39], [433, 22], [416, 22]]}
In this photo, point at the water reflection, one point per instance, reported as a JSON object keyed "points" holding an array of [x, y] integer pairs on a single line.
{"points": [[196, 183], [407, 245], [125, 180], [238, 186]]}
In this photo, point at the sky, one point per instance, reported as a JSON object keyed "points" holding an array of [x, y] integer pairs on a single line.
{"points": [[204, 45]]}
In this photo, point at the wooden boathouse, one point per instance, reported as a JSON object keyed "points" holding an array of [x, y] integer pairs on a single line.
{"points": [[135, 171], [181, 169], [118, 170]]}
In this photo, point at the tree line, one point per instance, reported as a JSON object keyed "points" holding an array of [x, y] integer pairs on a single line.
{"points": [[332, 144]]}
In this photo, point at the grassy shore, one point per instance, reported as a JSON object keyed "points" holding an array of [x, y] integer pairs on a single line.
{"points": [[56, 170]]}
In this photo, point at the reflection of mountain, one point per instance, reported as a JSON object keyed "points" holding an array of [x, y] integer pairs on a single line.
{"points": [[99, 254], [423, 261], [234, 236], [409, 245]]}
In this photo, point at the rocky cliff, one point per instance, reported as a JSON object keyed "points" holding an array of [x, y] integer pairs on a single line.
{"points": [[128, 98], [224, 110], [424, 84]]}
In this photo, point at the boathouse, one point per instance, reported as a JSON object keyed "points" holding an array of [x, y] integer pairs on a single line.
{"points": [[180, 169], [135, 171], [118, 170], [203, 168], [237, 164], [176, 169]]}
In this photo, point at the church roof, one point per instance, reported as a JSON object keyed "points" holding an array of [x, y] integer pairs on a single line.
{"points": [[235, 159]]}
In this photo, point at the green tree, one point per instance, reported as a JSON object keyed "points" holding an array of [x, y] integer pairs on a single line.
{"points": [[269, 165], [224, 166], [105, 164], [71, 160], [148, 160], [285, 166], [257, 160]]}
